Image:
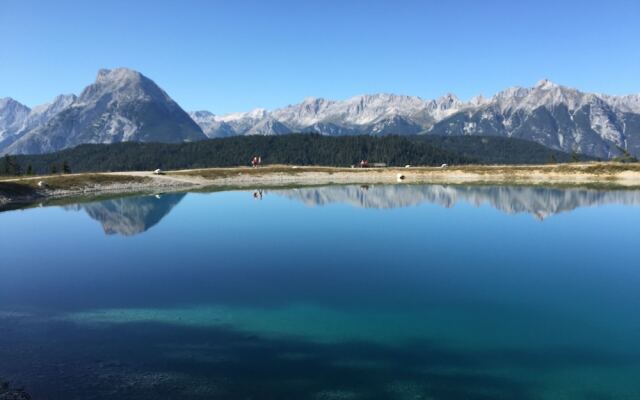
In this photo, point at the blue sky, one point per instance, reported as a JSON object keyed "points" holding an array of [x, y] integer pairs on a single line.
{"points": [[228, 56]]}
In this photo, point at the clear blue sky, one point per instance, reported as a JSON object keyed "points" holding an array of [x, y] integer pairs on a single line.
{"points": [[228, 56]]}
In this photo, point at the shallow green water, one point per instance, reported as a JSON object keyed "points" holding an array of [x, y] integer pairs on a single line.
{"points": [[340, 292]]}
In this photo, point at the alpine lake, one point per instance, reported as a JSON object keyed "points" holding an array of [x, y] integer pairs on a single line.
{"points": [[336, 292]]}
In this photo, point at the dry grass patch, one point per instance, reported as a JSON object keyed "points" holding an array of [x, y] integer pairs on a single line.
{"points": [[599, 168], [503, 173], [87, 180], [221, 173], [603, 168], [79, 181]]}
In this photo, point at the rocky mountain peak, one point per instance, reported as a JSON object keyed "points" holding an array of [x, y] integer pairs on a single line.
{"points": [[12, 117], [545, 84], [121, 105], [202, 114], [9, 105], [59, 103], [448, 100], [118, 75]]}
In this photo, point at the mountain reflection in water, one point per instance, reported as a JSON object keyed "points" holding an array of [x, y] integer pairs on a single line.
{"points": [[253, 294], [134, 215], [538, 201], [130, 216]]}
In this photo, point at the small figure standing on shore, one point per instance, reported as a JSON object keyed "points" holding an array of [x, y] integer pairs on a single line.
{"points": [[256, 161]]}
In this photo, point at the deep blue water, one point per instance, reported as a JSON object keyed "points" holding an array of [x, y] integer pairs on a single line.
{"points": [[340, 292]]}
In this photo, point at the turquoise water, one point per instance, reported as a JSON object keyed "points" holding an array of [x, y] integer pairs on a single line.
{"points": [[338, 292]]}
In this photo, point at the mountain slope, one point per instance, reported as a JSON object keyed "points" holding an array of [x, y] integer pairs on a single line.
{"points": [[122, 105], [210, 126], [12, 117], [555, 116]]}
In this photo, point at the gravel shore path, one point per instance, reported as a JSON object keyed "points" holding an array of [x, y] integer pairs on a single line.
{"points": [[31, 189]]}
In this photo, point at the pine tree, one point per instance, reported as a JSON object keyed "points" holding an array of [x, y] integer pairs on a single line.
{"points": [[11, 166], [65, 167], [29, 170], [575, 157], [6, 167], [54, 169]]}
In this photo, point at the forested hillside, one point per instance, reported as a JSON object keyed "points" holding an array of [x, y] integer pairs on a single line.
{"points": [[299, 149], [499, 150]]}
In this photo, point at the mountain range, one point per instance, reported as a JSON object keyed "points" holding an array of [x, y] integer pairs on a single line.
{"points": [[124, 105]]}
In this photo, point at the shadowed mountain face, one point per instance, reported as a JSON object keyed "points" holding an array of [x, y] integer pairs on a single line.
{"points": [[540, 202], [130, 216]]}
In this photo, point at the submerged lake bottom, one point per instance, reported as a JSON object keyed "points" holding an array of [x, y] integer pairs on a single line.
{"points": [[334, 292]]}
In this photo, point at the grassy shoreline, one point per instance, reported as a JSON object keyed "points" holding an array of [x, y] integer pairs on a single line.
{"points": [[25, 190]]}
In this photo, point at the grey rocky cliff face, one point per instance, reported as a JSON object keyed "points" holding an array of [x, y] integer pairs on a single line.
{"points": [[122, 105], [13, 116], [554, 116]]}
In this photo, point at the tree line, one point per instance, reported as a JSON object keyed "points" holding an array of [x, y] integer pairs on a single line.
{"points": [[296, 149], [11, 166]]}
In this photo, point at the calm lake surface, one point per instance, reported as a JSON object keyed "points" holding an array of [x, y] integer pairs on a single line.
{"points": [[339, 292]]}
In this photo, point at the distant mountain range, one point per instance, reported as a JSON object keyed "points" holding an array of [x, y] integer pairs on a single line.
{"points": [[124, 105]]}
